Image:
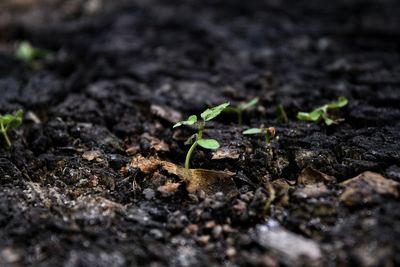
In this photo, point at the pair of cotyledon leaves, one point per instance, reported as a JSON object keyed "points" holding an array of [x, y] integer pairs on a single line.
{"points": [[207, 115], [254, 131], [10, 121], [243, 106], [322, 112]]}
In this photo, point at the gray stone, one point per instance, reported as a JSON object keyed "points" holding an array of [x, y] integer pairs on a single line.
{"points": [[292, 249]]}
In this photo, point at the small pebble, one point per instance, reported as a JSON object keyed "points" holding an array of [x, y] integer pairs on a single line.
{"points": [[157, 234], [217, 231], [203, 240], [191, 229], [230, 252], [149, 193], [210, 224]]}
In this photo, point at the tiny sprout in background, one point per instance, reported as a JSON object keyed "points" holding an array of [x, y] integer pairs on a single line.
{"points": [[241, 108], [281, 114], [197, 139], [267, 133], [10, 122], [26, 52], [321, 113]]}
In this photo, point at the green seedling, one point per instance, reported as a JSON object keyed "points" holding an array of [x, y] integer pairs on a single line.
{"points": [[10, 122], [267, 133], [321, 113], [197, 139], [26, 52], [242, 108], [281, 113]]}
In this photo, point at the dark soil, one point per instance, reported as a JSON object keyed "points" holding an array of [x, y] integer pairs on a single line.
{"points": [[114, 64]]}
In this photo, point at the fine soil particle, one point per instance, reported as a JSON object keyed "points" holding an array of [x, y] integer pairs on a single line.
{"points": [[83, 184]]}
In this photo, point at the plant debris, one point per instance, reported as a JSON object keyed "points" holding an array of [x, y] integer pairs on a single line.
{"points": [[367, 188], [209, 181]]}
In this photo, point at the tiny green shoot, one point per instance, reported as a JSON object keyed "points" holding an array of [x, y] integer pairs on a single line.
{"points": [[241, 108], [10, 122], [267, 133], [281, 113], [321, 113], [197, 139], [26, 52]]}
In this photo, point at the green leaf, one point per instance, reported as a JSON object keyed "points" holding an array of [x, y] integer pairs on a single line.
{"points": [[328, 121], [208, 143], [231, 109], [249, 104], [342, 101], [190, 121], [315, 115], [211, 113], [10, 121], [7, 119], [253, 131], [25, 52], [310, 116]]}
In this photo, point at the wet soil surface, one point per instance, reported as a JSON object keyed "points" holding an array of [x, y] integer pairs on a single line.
{"points": [[121, 74]]}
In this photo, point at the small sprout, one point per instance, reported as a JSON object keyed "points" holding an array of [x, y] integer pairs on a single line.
{"points": [[268, 133], [197, 139], [190, 121], [241, 108], [281, 113], [321, 113], [10, 122], [26, 52]]}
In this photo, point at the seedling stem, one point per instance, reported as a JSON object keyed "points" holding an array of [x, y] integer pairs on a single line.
{"points": [[199, 136], [211, 144], [241, 108], [4, 132], [267, 133], [282, 117], [10, 122]]}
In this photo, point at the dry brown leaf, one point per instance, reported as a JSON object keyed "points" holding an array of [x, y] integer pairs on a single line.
{"points": [[145, 165], [281, 184], [91, 155], [209, 181], [366, 188], [155, 143], [169, 188], [133, 150], [312, 176], [311, 191], [166, 113]]}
